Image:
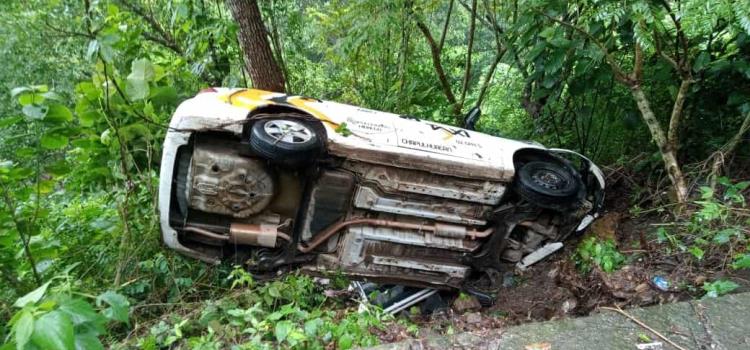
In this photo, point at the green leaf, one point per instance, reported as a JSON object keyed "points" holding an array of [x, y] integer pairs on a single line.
{"points": [[118, 306], [134, 131], [87, 143], [274, 291], [30, 98], [717, 288], [58, 113], [311, 327], [53, 141], [741, 262], [282, 330], [58, 168], [345, 342], [34, 112], [88, 90], [137, 89], [79, 311], [89, 117], [343, 129], [163, 96], [141, 73], [105, 44], [32, 297], [87, 341], [697, 252], [701, 61], [724, 235], [23, 329], [8, 121], [53, 331]]}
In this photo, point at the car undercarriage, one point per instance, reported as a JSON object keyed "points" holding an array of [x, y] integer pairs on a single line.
{"points": [[248, 197]]}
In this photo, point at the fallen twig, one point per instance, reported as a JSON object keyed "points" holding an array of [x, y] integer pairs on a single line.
{"points": [[638, 322]]}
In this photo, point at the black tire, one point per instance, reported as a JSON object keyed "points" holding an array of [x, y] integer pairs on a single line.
{"points": [[549, 184], [299, 146], [182, 168]]}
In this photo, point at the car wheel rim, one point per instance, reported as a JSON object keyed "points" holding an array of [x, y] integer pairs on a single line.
{"points": [[549, 179], [288, 131]]}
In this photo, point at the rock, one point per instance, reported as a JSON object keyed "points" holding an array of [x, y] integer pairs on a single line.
{"points": [[474, 318], [568, 305], [466, 302]]}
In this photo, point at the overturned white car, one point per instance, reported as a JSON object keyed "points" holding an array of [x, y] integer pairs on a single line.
{"points": [[275, 181]]}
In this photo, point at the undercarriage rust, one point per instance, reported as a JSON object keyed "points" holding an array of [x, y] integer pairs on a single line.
{"points": [[437, 228], [262, 235]]}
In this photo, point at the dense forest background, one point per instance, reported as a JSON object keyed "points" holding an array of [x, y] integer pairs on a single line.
{"points": [[660, 89]]}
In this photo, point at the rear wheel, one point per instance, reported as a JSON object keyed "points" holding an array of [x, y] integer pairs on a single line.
{"points": [[285, 141], [549, 183]]}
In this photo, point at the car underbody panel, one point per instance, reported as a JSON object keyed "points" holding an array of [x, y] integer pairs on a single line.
{"points": [[363, 216]]}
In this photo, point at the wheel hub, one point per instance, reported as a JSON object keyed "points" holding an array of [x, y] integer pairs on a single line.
{"points": [[288, 131], [549, 179]]}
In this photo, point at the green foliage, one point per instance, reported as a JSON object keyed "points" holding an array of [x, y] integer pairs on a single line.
{"points": [[719, 287], [240, 277], [600, 253], [58, 318], [291, 313], [717, 226], [343, 129]]}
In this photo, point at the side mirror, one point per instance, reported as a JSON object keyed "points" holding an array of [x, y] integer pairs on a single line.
{"points": [[471, 118]]}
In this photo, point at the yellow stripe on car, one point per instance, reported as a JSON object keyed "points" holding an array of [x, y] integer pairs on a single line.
{"points": [[252, 98]]}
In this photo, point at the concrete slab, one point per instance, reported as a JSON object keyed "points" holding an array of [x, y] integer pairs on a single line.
{"points": [[721, 323]]}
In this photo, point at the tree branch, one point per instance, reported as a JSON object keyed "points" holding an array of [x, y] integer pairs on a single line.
{"points": [[470, 46], [435, 51], [67, 32], [163, 37], [681, 38], [637, 64], [662, 54], [22, 233], [488, 78], [726, 150], [445, 26], [676, 117]]}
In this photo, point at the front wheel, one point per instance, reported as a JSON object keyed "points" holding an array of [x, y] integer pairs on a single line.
{"points": [[285, 141], [549, 184]]}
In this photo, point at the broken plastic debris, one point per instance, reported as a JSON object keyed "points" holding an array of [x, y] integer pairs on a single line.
{"points": [[657, 345], [660, 283], [538, 255]]}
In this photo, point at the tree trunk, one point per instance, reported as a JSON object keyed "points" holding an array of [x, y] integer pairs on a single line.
{"points": [[264, 71], [660, 138], [674, 120], [435, 51]]}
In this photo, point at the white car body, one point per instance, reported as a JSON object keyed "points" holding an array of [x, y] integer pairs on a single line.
{"points": [[360, 135]]}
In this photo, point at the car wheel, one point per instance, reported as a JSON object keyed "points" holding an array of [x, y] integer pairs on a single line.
{"points": [[549, 183], [286, 141]]}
